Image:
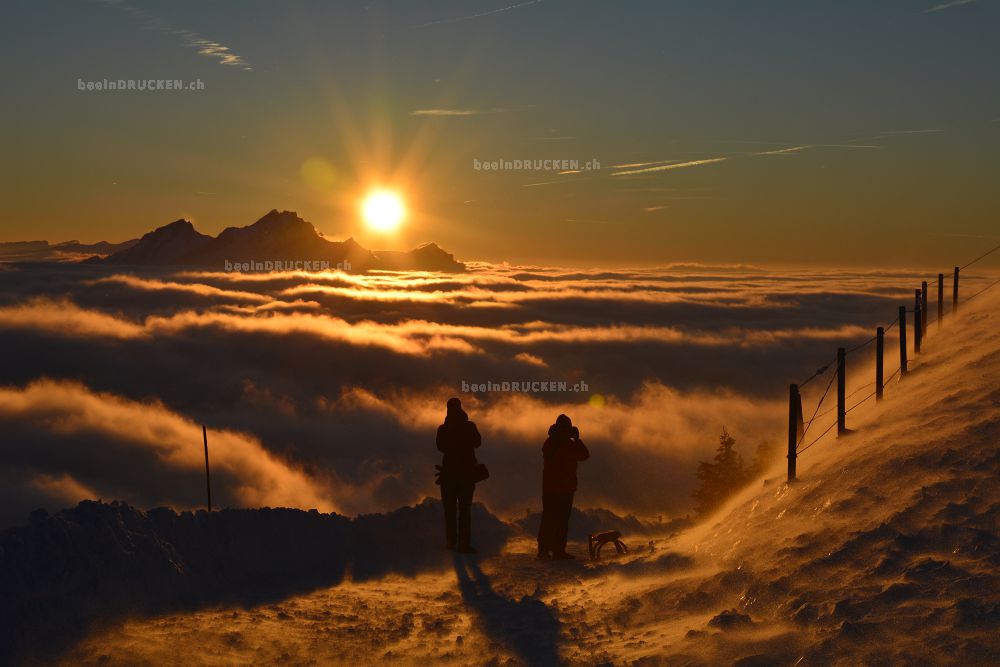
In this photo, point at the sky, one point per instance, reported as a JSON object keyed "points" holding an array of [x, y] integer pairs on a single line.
{"points": [[773, 132]]}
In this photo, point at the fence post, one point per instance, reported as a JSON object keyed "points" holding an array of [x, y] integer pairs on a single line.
{"points": [[923, 307], [940, 299], [208, 478], [902, 341], [794, 427], [841, 386], [954, 294], [879, 354], [917, 331]]}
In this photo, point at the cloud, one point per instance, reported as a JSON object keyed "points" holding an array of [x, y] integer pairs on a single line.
{"points": [[408, 337], [530, 359], [559, 138], [784, 151], [924, 131], [341, 378], [154, 285], [669, 166], [655, 435], [469, 17], [205, 47], [633, 165], [948, 5], [84, 442], [62, 315], [455, 112]]}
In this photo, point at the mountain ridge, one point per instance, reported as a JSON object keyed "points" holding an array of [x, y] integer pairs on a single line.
{"points": [[278, 236]]}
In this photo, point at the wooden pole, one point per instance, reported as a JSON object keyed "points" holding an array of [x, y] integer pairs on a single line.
{"points": [[799, 423], [794, 427], [923, 307], [902, 341], [841, 387], [954, 294], [940, 299], [879, 356], [917, 331], [208, 478]]}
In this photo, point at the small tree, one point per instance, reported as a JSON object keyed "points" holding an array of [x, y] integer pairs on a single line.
{"points": [[721, 477]]}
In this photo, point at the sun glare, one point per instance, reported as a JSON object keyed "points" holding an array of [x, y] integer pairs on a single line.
{"points": [[383, 211]]}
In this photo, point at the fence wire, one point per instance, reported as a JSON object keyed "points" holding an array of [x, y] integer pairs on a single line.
{"points": [[818, 372], [983, 256], [818, 405], [993, 284], [926, 312]]}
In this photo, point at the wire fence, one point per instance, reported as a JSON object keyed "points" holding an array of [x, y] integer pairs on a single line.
{"points": [[798, 429]]}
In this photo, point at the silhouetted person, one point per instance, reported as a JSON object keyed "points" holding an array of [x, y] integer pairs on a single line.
{"points": [[458, 438], [561, 452]]}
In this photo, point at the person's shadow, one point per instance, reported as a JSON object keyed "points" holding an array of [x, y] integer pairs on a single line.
{"points": [[527, 627]]}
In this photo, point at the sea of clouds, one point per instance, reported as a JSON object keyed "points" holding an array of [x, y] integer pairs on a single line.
{"points": [[323, 390]]}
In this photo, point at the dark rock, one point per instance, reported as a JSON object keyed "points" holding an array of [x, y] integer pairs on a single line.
{"points": [[731, 620]]}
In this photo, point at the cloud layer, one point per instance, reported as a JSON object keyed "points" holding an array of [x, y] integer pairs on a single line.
{"points": [[324, 389]]}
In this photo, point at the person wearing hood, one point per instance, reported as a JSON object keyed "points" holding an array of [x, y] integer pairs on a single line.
{"points": [[561, 453], [457, 439]]}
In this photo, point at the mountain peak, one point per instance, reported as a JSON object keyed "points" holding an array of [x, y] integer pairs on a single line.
{"points": [[276, 217], [168, 244], [177, 226], [278, 235]]}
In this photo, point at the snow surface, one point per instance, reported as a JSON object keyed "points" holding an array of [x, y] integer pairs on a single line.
{"points": [[884, 552]]}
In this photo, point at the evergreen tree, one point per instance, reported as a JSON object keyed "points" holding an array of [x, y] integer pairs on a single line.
{"points": [[721, 477]]}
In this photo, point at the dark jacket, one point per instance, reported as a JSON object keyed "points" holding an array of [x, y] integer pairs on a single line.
{"points": [[561, 452], [458, 438]]}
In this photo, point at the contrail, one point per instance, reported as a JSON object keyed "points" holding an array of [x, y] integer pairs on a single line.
{"points": [[667, 167], [946, 5], [479, 15]]}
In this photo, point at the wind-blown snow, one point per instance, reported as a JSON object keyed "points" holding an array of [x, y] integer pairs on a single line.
{"points": [[885, 552]]}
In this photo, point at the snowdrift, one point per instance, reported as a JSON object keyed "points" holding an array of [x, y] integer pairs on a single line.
{"points": [[585, 522], [97, 563], [885, 551]]}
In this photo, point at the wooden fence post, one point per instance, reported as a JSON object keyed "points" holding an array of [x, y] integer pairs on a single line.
{"points": [[208, 478], [879, 354], [902, 341], [794, 427], [841, 387], [917, 331], [940, 299], [923, 307], [954, 293]]}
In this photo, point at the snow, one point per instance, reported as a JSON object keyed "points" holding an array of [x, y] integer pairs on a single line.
{"points": [[884, 552]]}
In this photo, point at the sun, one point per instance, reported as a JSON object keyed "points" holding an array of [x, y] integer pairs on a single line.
{"points": [[383, 211]]}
